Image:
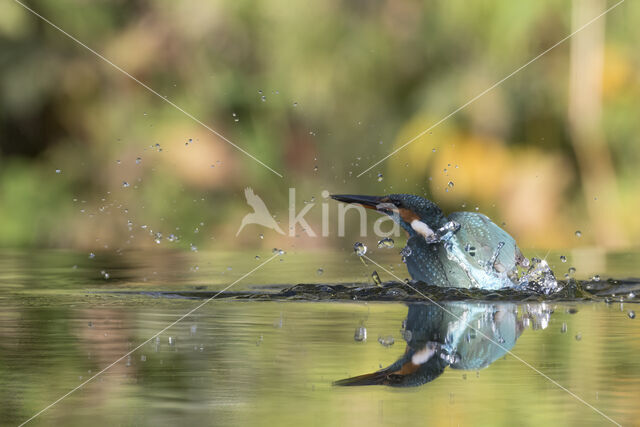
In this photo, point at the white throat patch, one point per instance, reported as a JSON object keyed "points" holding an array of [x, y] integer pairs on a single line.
{"points": [[422, 229]]}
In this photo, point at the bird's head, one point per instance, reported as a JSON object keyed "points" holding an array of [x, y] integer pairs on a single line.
{"points": [[415, 214]]}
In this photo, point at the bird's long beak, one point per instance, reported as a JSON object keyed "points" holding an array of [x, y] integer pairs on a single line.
{"points": [[369, 202]]}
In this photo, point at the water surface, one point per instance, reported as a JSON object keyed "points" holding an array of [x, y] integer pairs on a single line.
{"points": [[245, 361]]}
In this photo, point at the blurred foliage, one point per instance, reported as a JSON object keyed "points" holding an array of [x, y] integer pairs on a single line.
{"points": [[335, 85]]}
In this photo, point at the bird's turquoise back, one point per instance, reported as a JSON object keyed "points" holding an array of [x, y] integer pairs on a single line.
{"points": [[480, 232], [470, 258]]}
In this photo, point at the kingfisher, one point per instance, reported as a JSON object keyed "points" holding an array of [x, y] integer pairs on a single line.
{"points": [[462, 250], [459, 335]]}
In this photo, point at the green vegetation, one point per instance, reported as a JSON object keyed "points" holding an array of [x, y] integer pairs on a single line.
{"points": [[344, 83]]}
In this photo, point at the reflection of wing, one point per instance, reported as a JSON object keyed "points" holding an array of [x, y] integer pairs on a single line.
{"points": [[496, 332], [476, 230], [254, 201]]}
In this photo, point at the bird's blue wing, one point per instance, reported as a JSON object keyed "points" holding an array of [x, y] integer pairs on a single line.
{"points": [[425, 264], [480, 238]]}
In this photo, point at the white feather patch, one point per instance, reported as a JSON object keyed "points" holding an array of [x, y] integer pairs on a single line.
{"points": [[422, 229], [423, 356]]}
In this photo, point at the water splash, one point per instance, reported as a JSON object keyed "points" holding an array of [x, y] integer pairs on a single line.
{"points": [[387, 341], [360, 249], [490, 266], [376, 278], [405, 252], [360, 334], [444, 233], [387, 242], [539, 278]]}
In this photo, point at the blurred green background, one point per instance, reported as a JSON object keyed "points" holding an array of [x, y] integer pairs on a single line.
{"points": [[318, 91]]}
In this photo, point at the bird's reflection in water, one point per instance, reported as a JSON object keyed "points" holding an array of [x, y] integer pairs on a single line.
{"points": [[458, 335]]}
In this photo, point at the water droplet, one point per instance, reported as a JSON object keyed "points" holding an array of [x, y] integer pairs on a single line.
{"points": [[58, 170], [406, 251], [632, 314], [125, 184], [387, 341], [315, 168], [319, 271], [360, 249], [143, 358], [451, 184], [295, 104], [387, 242], [563, 328], [263, 98], [138, 160], [360, 334], [172, 341], [578, 336], [261, 236], [563, 258], [578, 233], [596, 278], [92, 255], [380, 177], [193, 248], [279, 323], [376, 278], [572, 270]]}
